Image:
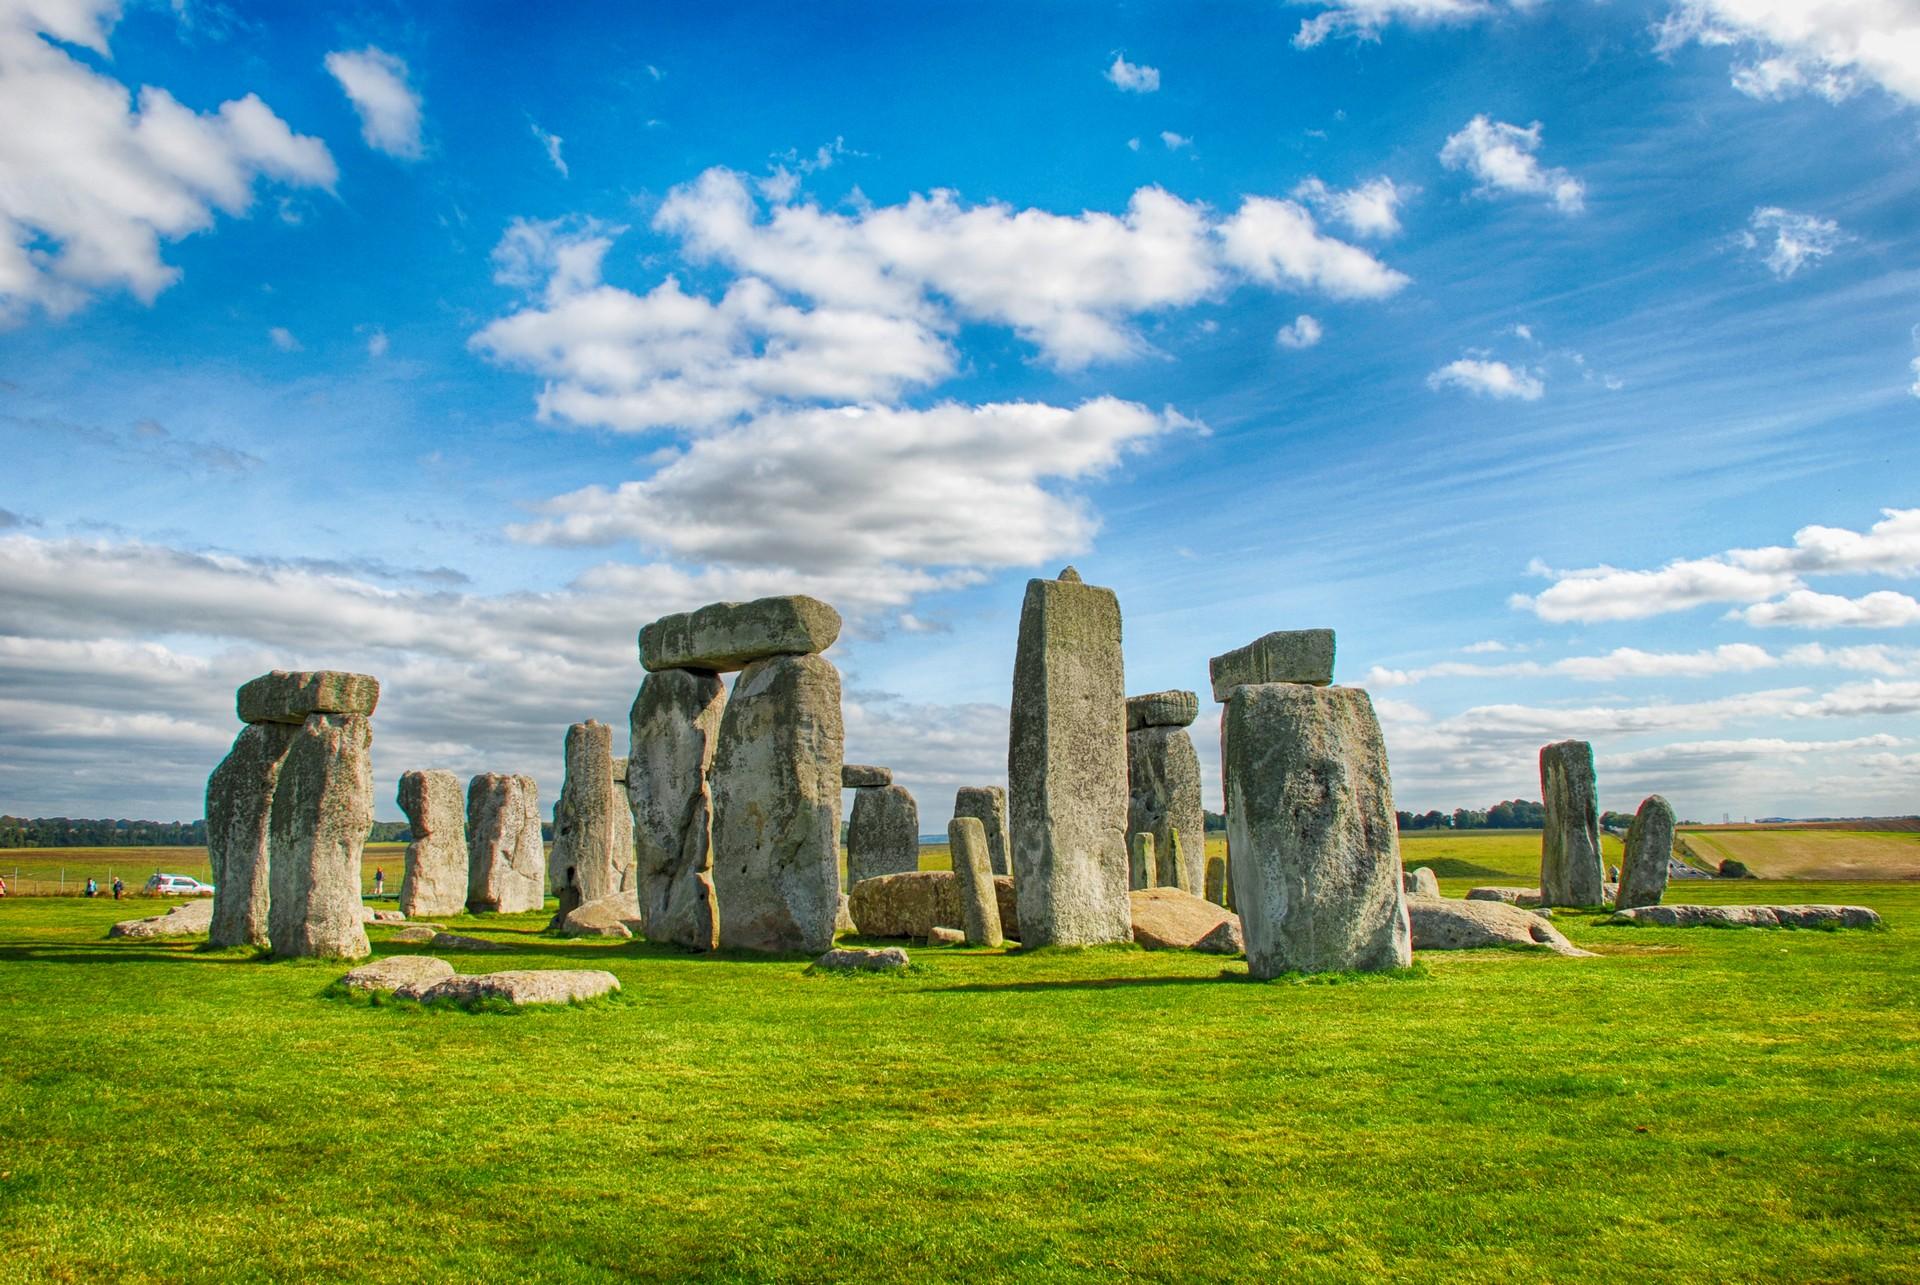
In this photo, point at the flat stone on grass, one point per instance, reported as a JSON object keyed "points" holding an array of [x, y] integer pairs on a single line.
{"points": [[454, 941], [851, 959], [1802, 916], [1442, 924], [521, 987], [397, 971], [190, 920]]}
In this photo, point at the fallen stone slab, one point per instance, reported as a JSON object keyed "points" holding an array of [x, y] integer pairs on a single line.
{"points": [[1162, 709], [852, 959], [522, 987], [607, 917], [190, 920], [288, 697], [938, 936], [1441, 924], [909, 904], [726, 636], [454, 941], [1284, 656], [1421, 882], [859, 776], [398, 971], [1170, 919], [389, 916], [1528, 897], [1800, 916], [369, 915], [413, 933]]}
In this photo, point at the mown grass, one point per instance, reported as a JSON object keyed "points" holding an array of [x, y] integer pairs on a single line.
{"points": [[1814, 854], [1690, 1106]]}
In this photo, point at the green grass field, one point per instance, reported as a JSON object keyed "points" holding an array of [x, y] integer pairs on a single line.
{"points": [[1693, 1105], [1785, 853]]}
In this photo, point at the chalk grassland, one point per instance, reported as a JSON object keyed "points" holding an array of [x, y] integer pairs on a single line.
{"points": [[1692, 1106], [1813, 854], [42, 870]]}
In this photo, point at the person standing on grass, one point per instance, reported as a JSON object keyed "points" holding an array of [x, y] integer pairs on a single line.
{"points": [[118, 887], [379, 881], [3, 887], [93, 887]]}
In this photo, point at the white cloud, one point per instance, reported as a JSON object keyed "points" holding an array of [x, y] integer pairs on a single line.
{"points": [[1302, 332], [1796, 240], [1890, 547], [1914, 388], [375, 81], [1132, 77], [1276, 242], [1174, 142], [377, 342], [283, 339], [93, 179], [1805, 609], [1501, 157], [1486, 378], [1621, 663], [1488, 645], [1365, 19], [1133, 144], [552, 144], [1830, 48], [1371, 209]]}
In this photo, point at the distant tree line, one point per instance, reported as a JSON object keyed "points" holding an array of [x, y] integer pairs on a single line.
{"points": [[83, 832], [1512, 814]]}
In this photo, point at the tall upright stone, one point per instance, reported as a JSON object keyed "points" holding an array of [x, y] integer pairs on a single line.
{"points": [[979, 900], [1217, 880], [776, 806], [674, 724], [1643, 871], [1571, 871], [506, 857], [1067, 766], [1142, 869], [239, 807], [987, 804], [592, 856], [1163, 786], [435, 878], [1315, 866], [883, 833], [322, 809]]}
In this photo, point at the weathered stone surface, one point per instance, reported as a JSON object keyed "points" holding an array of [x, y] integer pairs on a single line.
{"points": [[1162, 709], [907, 905], [1217, 880], [987, 804], [940, 935], [506, 859], [397, 971], [1284, 656], [1570, 867], [389, 917], [322, 808], [883, 834], [608, 917], [1421, 882], [592, 858], [454, 941], [776, 807], [239, 808], [286, 697], [1171, 919], [1067, 767], [1441, 924], [1142, 870], [726, 636], [1799, 916], [367, 914], [859, 776], [1310, 823], [851, 959], [524, 986], [1163, 799], [674, 724], [417, 933], [190, 920], [434, 881], [1512, 896], [1643, 878], [1223, 940], [620, 771], [973, 878]]}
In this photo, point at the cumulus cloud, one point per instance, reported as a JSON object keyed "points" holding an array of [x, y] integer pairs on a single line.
{"points": [[1371, 209], [1486, 378], [1747, 576], [93, 178], [1832, 48], [1277, 243], [1787, 242], [1174, 142], [1132, 77], [1806, 609], [375, 82], [1302, 332], [1501, 157], [1366, 19]]}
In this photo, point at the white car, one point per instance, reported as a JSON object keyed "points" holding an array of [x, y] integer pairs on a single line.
{"points": [[177, 886]]}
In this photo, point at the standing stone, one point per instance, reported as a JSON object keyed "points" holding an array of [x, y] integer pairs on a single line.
{"points": [[1217, 880], [506, 858], [322, 809], [1067, 766], [1570, 865], [1284, 656], [675, 721], [883, 834], [776, 807], [1310, 822], [1643, 873], [979, 902], [987, 804], [726, 636], [435, 879], [1163, 787], [239, 807], [1141, 867], [592, 826]]}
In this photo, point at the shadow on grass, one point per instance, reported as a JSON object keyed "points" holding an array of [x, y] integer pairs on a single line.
{"points": [[107, 953], [1094, 983]]}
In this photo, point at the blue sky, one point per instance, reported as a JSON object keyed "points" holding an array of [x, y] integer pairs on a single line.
{"points": [[1562, 356]]}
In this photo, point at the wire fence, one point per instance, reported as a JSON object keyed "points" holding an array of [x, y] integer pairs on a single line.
{"points": [[72, 881]]}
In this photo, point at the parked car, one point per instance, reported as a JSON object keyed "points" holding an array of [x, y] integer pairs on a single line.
{"points": [[177, 886]]}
